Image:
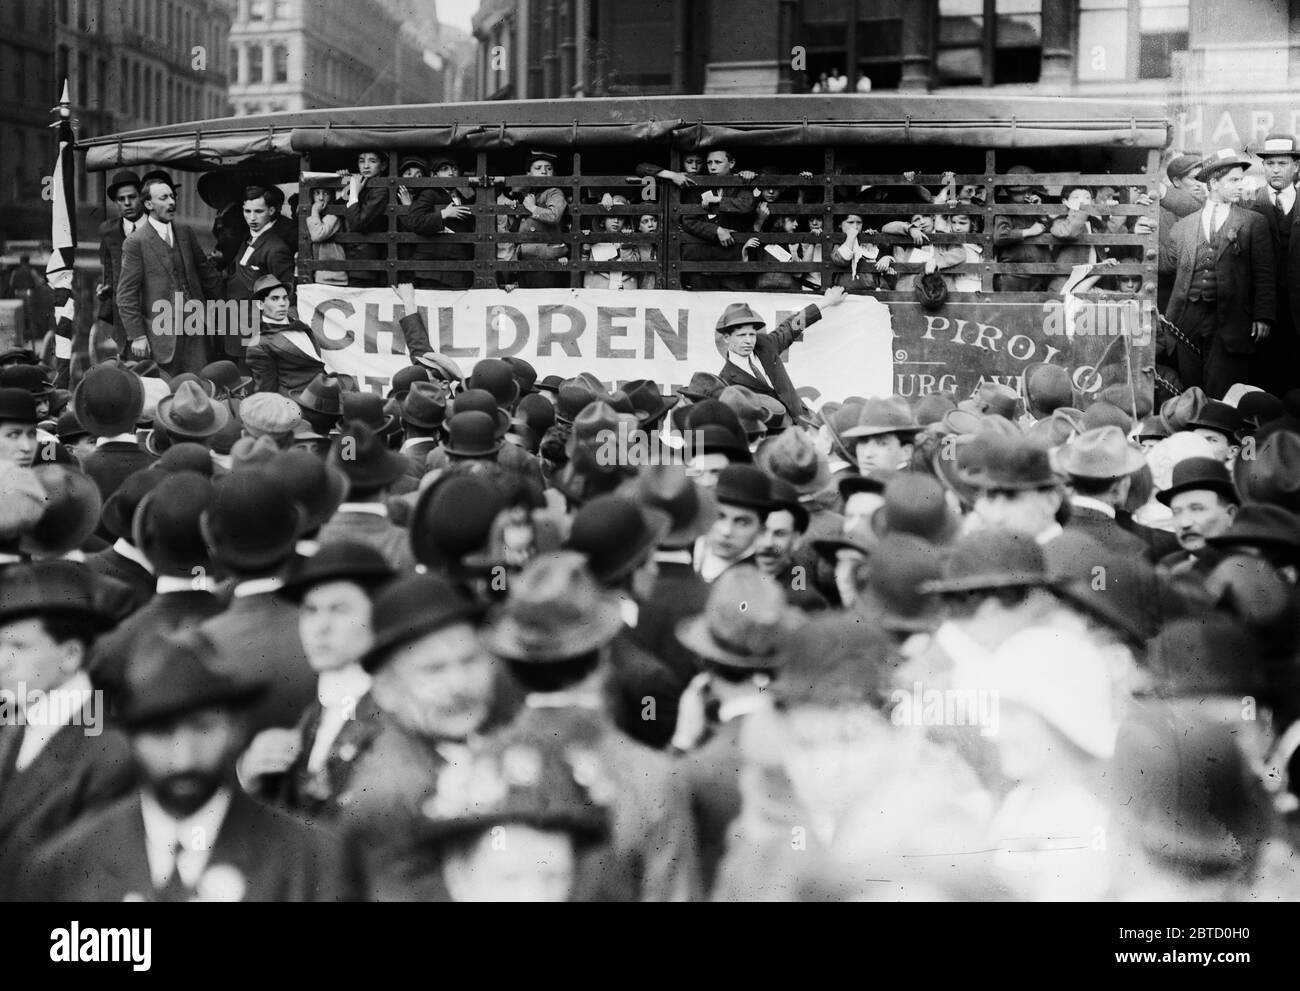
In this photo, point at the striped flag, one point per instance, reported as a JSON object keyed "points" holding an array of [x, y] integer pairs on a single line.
{"points": [[63, 239]]}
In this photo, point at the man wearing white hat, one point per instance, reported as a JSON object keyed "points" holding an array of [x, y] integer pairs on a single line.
{"points": [[1276, 203], [1224, 299]]}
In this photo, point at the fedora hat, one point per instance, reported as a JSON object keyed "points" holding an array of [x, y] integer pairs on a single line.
{"points": [[994, 462], [17, 406], [190, 413], [1177, 411], [1273, 476], [902, 563], [123, 178], [744, 622], [269, 413], [1216, 415], [367, 409], [72, 508], [55, 588], [739, 315], [915, 503], [1101, 413], [1267, 527], [1152, 428], [703, 385], [361, 455], [754, 411], [108, 400], [592, 427], [323, 395], [1258, 409], [425, 405], [572, 397], [481, 401], [32, 378], [1055, 430], [555, 611], [496, 377], [791, 455], [1209, 474], [166, 527], [173, 673], [667, 488], [1221, 161], [248, 451], [616, 535], [204, 385], [225, 376], [119, 509], [932, 407], [743, 485], [1101, 453], [884, 416], [335, 561], [650, 404], [266, 283], [452, 519], [251, 523], [991, 559], [996, 399], [471, 434], [1046, 387], [525, 374]]}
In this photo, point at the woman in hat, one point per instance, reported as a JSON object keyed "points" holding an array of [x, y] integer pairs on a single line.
{"points": [[367, 213], [436, 211], [546, 212]]}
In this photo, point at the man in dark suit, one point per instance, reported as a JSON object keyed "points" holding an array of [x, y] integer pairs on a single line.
{"points": [[262, 254], [1099, 464], [59, 761], [424, 409], [1224, 299], [123, 561], [1204, 502], [108, 401], [740, 327], [372, 469], [124, 191], [159, 261], [283, 355], [1279, 354], [190, 833]]}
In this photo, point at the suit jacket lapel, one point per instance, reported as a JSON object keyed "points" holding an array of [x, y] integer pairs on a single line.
{"points": [[124, 852]]}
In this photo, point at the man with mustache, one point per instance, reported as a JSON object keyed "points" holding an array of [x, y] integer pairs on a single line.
{"points": [[1204, 503]]}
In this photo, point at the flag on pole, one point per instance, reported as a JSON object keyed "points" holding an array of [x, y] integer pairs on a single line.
{"points": [[63, 239]]}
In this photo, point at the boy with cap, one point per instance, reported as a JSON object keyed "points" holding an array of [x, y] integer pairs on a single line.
{"points": [[190, 833], [1224, 299], [545, 215], [434, 211], [283, 355], [883, 438]]}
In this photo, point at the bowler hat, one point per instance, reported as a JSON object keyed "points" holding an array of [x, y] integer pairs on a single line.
{"points": [[739, 315], [743, 485], [1101, 453], [884, 416], [404, 378], [120, 179], [525, 374], [703, 385], [251, 523], [555, 611], [29, 377], [225, 376], [903, 562], [362, 457], [54, 588], [166, 527], [160, 174], [538, 412], [367, 408], [1046, 387], [616, 535], [425, 405], [1202, 656], [108, 400], [784, 496], [22, 502], [792, 456], [269, 413], [743, 623], [173, 673], [69, 428], [650, 404], [1216, 415], [190, 413], [1010, 465], [551, 383], [17, 406], [691, 510], [860, 537], [496, 377], [337, 560], [1273, 475], [186, 457], [853, 484], [21, 356], [452, 518], [119, 509], [72, 508], [1221, 161], [1258, 409], [319, 488], [471, 435], [481, 401], [991, 559], [915, 503], [1193, 474], [1270, 528]]}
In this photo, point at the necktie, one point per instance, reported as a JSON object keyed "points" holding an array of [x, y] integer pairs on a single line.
{"points": [[175, 890], [757, 372]]}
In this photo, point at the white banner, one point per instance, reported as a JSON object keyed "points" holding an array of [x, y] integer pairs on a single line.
{"points": [[617, 336]]}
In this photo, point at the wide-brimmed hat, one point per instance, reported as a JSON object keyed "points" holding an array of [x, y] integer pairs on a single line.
{"points": [[172, 673], [191, 413], [364, 459], [471, 434], [650, 404], [572, 397], [32, 378], [991, 559], [108, 400], [1014, 465], [555, 610], [1269, 528], [54, 588], [269, 413], [1209, 474], [738, 315], [1221, 161], [744, 622], [225, 376], [481, 401], [754, 410], [166, 527], [616, 535], [252, 522], [18, 406], [691, 509], [1101, 454], [123, 178], [1216, 415], [72, 508], [367, 409], [996, 399], [884, 416], [334, 561], [703, 385]]}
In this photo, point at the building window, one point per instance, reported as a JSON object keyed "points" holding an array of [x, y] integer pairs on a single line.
{"points": [[254, 63], [283, 10], [988, 42], [1130, 39], [280, 58], [257, 10], [234, 65], [840, 42]]}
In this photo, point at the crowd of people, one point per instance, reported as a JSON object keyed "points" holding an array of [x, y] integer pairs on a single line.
{"points": [[265, 636]]}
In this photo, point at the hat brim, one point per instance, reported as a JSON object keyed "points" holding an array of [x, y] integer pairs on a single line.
{"points": [[1208, 170], [439, 364], [1133, 460], [504, 637], [461, 452], [1256, 538], [658, 525], [221, 418], [828, 548], [693, 634], [990, 581], [868, 430], [1220, 486]]}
